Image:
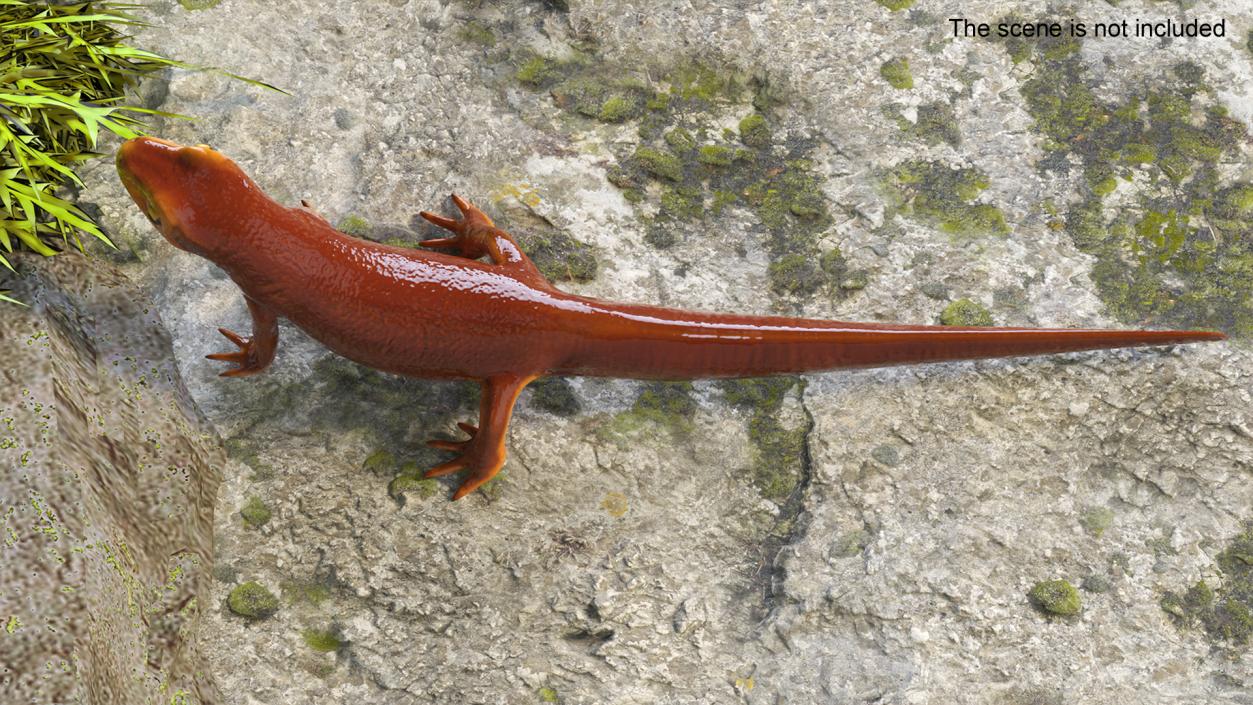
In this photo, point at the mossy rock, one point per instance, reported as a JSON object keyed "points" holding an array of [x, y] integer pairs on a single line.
{"points": [[252, 600], [967, 313], [1226, 614], [1057, 597], [659, 163], [941, 195], [554, 395], [354, 225], [755, 131], [323, 641], [896, 72], [255, 513]]}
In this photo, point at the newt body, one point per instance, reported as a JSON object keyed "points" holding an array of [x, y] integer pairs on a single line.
{"points": [[432, 314]]}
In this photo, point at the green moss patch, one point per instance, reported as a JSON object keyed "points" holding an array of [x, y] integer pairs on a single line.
{"points": [[896, 5], [660, 405], [255, 513], [353, 225], [1057, 597], [896, 72], [1180, 252], [554, 395], [693, 170], [309, 592], [944, 197], [779, 452], [1225, 614], [755, 131], [323, 641], [964, 312], [252, 600], [410, 480], [558, 255]]}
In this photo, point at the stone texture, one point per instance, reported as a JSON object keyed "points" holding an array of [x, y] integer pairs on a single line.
{"points": [[107, 497], [622, 560]]}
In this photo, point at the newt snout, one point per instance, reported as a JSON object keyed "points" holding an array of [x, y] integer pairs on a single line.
{"points": [[164, 179]]}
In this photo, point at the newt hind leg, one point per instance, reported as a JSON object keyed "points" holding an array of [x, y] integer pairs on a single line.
{"points": [[483, 453]]}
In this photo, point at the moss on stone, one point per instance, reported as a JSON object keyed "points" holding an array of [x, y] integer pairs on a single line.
{"points": [[795, 274], [668, 402], [781, 188], [936, 124], [536, 70], [755, 131], [310, 592], [965, 312], [1226, 614], [896, 72], [682, 202], [896, 5], [323, 641], [942, 196], [1057, 597], [475, 32], [757, 393], [547, 695], [252, 600], [659, 163], [1174, 256], [680, 140], [716, 155], [1095, 520], [558, 255], [778, 456], [354, 225], [702, 83], [554, 395], [412, 482], [380, 462], [255, 512], [617, 108]]}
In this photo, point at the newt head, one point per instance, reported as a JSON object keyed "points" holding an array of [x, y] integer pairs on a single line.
{"points": [[180, 188]]}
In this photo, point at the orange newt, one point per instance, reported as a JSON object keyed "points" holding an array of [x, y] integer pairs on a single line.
{"points": [[447, 314]]}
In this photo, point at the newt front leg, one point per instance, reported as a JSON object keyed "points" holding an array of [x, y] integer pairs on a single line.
{"points": [[483, 454], [255, 353]]}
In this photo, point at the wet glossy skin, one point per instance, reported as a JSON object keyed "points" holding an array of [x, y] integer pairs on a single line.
{"points": [[430, 314]]}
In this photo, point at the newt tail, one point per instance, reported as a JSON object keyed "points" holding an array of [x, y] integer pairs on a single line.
{"points": [[443, 313]]}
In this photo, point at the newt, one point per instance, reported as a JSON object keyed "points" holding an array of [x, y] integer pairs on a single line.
{"points": [[473, 306]]}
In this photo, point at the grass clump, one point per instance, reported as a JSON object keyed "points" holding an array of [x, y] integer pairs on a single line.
{"points": [[65, 70]]}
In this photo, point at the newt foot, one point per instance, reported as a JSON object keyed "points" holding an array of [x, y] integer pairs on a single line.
{"points": [[474, 233], [483, 460], [250, 357]]}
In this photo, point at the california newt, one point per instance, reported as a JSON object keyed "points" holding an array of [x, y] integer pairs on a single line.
{"points": [[443, 313]]}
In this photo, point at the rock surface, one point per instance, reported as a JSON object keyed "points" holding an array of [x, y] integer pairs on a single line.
{"points": [[860, 537], [107, 498]]}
